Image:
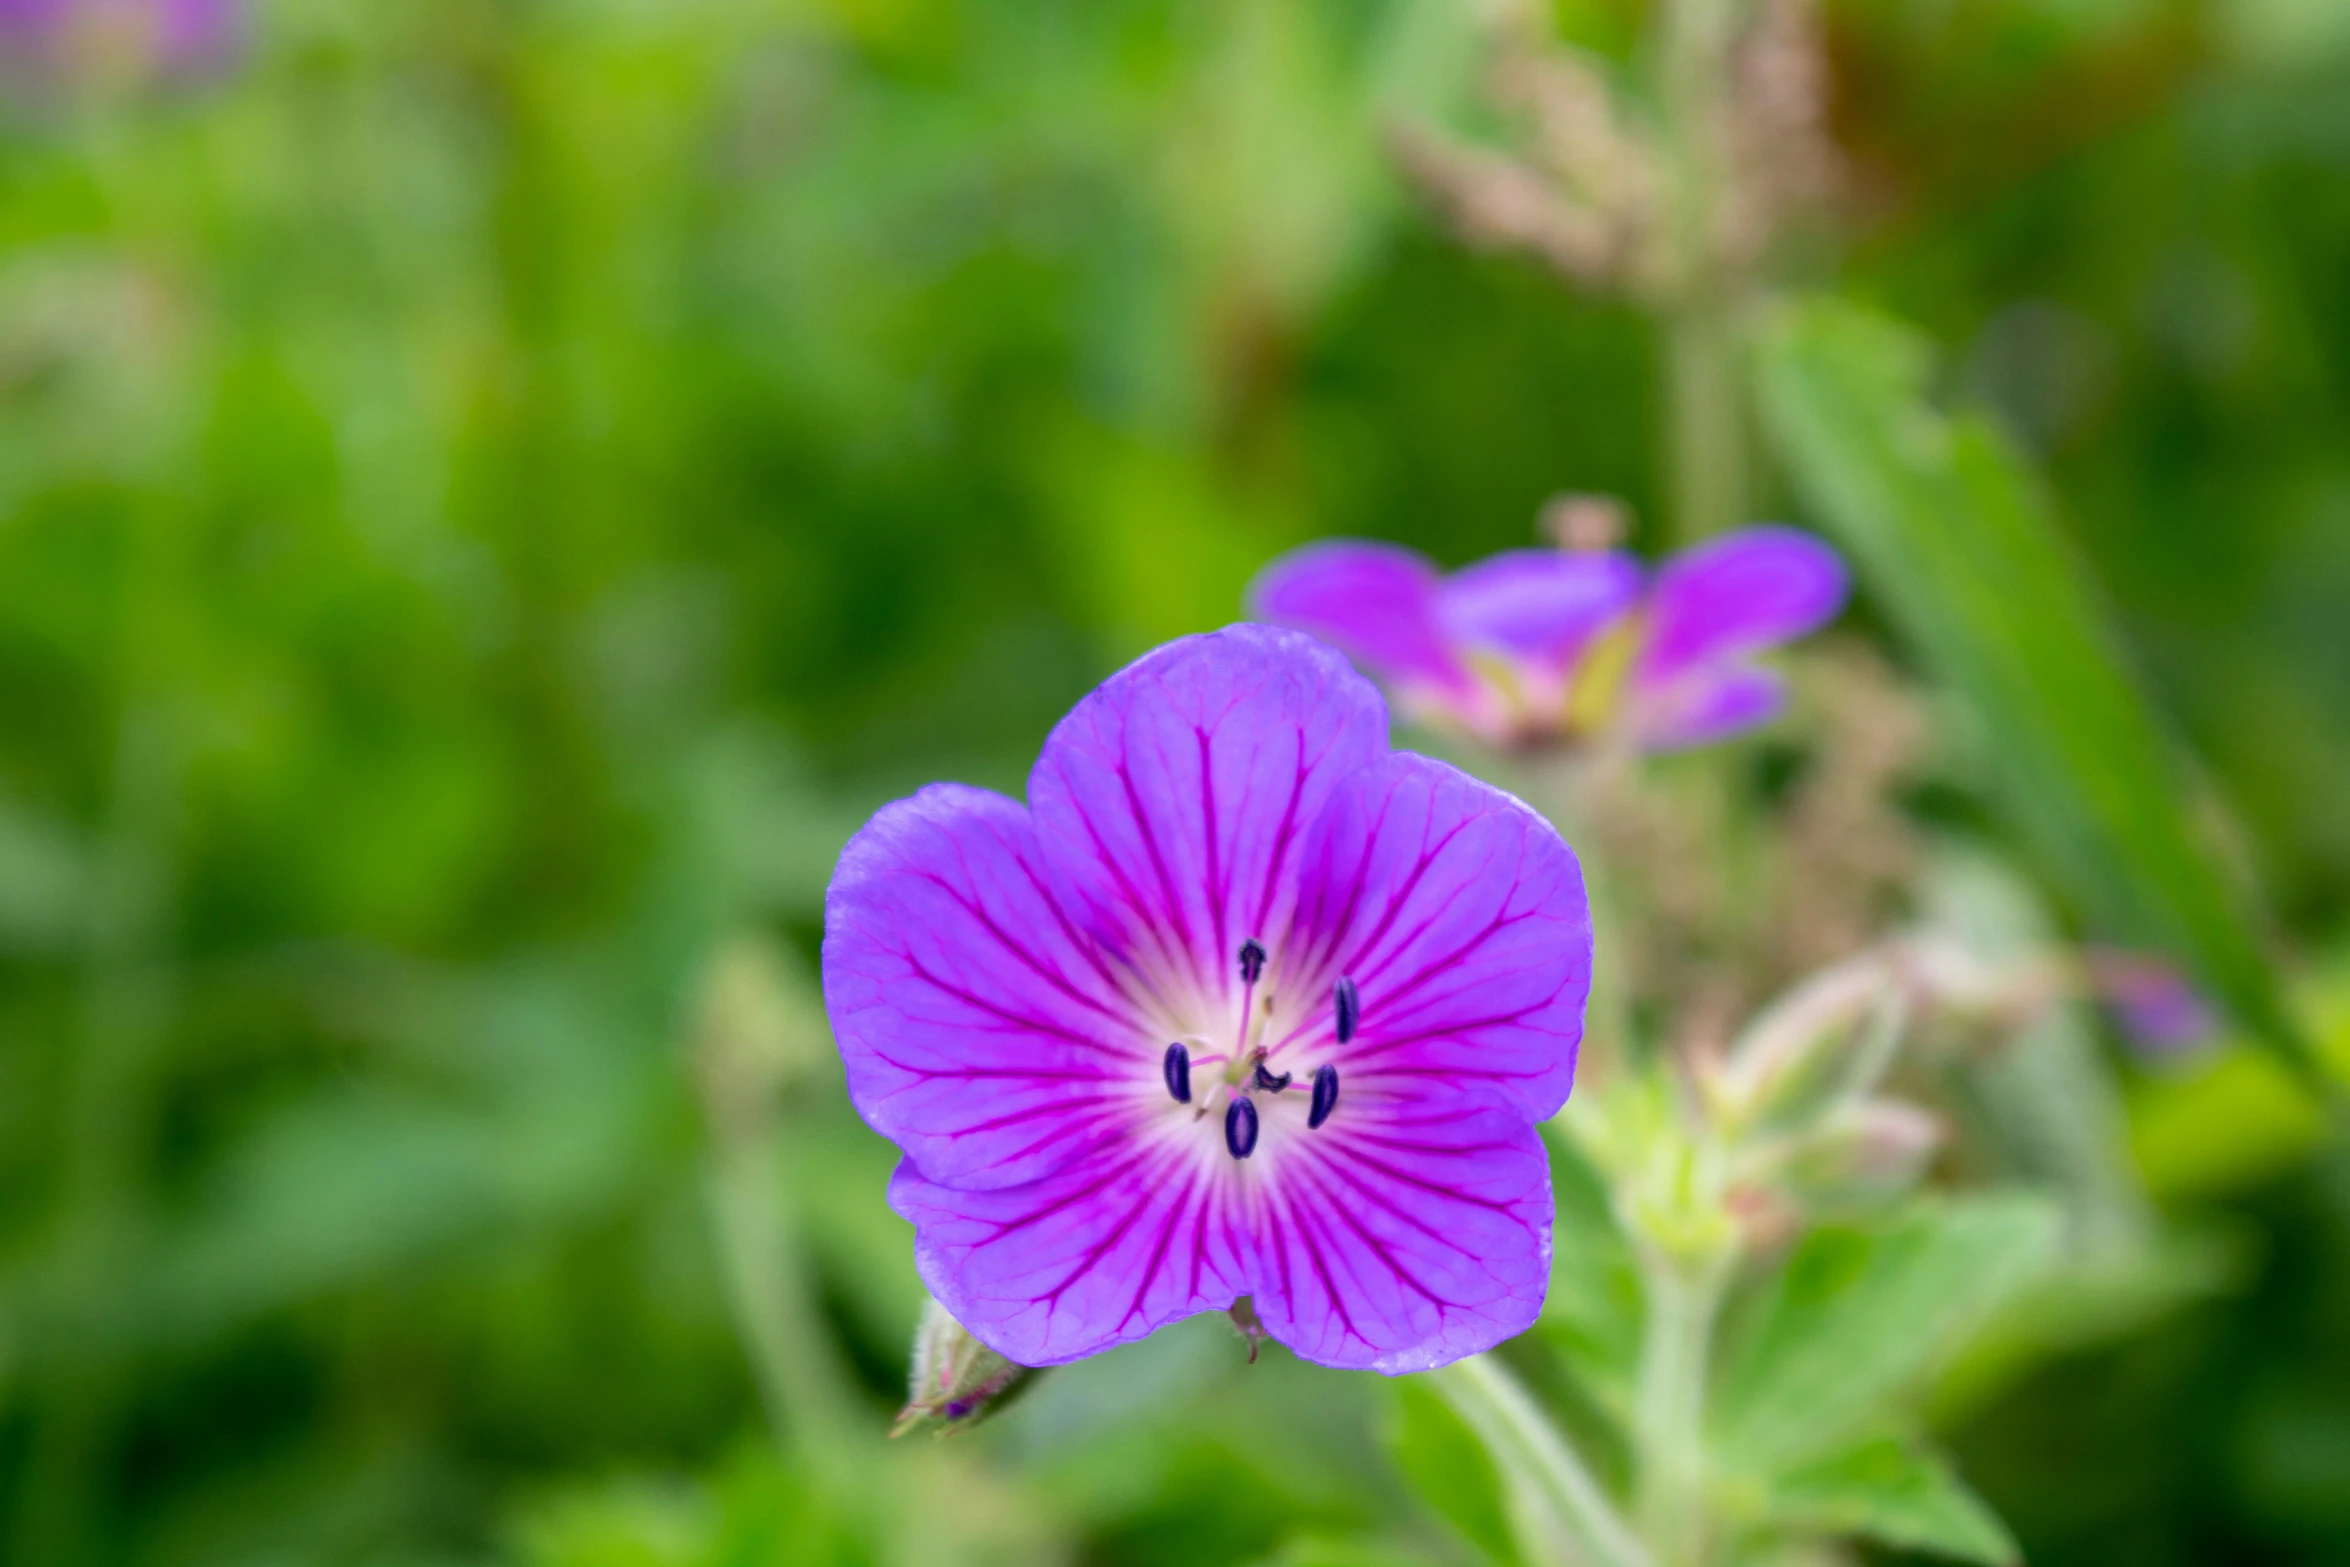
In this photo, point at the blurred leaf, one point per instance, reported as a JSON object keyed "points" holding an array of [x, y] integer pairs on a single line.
{"points": [[2222, 1125], [2093, 1300], [2050, 1090], [1593, 1310], [2234, 1119], [632, 1523], [1895, 1494], [1953, 536], [1349, 1553], [1451, 1468], [759, 1512], [44, 878], [1859, 1315]]}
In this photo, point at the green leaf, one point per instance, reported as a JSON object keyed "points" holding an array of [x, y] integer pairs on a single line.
{"points": [[1443, 1458], [1314, 1551], [2093, 1300], [1858, 1315], [1953, 536], [1593, 1310], [1896, 1494]]}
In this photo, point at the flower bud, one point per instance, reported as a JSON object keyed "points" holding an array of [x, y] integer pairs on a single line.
{"points": [[1875, 1148], [1811, 1052], [956, 1380]]}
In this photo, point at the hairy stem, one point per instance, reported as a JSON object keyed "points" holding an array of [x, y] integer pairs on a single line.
{"points": [[1559, 1510], [802, 1390], [1684, 1295]]}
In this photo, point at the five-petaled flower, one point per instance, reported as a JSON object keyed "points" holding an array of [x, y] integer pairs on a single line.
{"points": [[1533, 647], [1242, 1004]]}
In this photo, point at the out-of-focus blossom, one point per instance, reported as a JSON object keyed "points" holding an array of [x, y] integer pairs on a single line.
{"points": [[117, 40], [2158, 1007], [1240, 1004], [1534, 647], [1870, 1144]]}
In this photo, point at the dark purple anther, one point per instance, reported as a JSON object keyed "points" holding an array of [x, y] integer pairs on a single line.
{"points": [[1240, 1128], [1177, 1068], [1271, 1083], [1325, 1096], [1252, 960], [1349, 1006]]}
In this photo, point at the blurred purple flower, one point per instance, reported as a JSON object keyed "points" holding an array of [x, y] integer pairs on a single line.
{"points": [[135, 38], [1537, 646], [1241, 1005], [2157, 1006]]}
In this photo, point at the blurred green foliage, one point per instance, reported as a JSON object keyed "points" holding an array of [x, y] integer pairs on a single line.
{"points": [[492, 491]]}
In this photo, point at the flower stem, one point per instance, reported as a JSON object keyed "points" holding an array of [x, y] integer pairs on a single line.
{"points": [[1705, 419], [1705, 449], [1684, 1296], [801, 1389], [1558, 1508]]}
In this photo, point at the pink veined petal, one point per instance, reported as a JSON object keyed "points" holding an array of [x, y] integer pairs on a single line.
{"points": [[1172, 803], [980, 1031], [1406, 1232], [1101, 1253], [1460, 916], [1706, 705], [1377, 602], [1542, 606], [1734, 596]]}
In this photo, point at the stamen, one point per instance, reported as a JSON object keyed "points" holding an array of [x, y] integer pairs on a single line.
{"points": [[1240, 1128], [1270, 1082], [1325, 1096], [1348, 1003], [1177, 1069], [1252, 960]]}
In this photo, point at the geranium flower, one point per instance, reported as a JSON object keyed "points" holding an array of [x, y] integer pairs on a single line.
{"points": [[1534, 647], [1241, 1004], [138, 38], [2158, 1007]]}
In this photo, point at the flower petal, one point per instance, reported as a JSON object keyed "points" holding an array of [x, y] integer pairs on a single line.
{"points": [[980, 1032], [1460, 916], [1408, 1231], [1172, 803], [1538, 605], [1104, 1252], [1377, 602], [1736, 595], [1706, 705]]}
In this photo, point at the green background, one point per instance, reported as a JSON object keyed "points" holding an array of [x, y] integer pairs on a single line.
{"points": [[493, 491]]}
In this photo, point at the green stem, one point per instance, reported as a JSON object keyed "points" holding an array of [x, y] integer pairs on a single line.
{"points": [[1705, 420], [1705, 449], [1559, 788], [1559, 1510], [1684, 1296], [805, 1397]]}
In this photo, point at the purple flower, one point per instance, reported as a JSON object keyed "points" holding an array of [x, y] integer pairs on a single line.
{"points": [[139, 38], [2157, 1006], [1242, 1004], [1538, 646]]}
